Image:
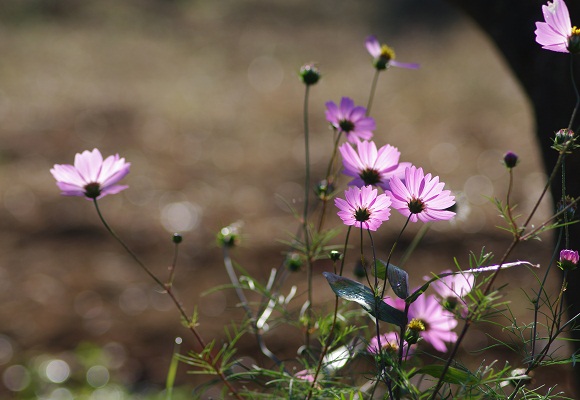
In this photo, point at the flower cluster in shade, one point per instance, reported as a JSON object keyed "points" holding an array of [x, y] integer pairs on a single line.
{"points": [[91, 176], [452, 290], [557, 32], [390, 343], [436, 322]]}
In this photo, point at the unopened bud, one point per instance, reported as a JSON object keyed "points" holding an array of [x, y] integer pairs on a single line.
{"points": [[335, 255], [564, 141], [309, 74], [568, 260], [510, 159], [230, 235], [324, 190], [177, 238], [293, 261]]}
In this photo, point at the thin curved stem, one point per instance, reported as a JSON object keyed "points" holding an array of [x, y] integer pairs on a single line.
{"points": [[169, 290], [333, 326], [305, 219], [173, 265], [538, 297], [575, 88], [372, 93], [469, 321], [329, 179]]}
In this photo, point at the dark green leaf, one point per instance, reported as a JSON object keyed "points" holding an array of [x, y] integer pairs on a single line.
{"points": [[399, 280], [354, 291]]}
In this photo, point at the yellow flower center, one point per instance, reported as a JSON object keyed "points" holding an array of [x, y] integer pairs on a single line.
{"points": [[417, 325], [573, 44], [387, 52]]}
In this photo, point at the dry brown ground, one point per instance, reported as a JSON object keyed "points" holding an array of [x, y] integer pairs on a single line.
{"points": [[203, 99]]}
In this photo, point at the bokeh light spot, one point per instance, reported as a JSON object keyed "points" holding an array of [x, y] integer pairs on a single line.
{"points": [[133, 300], [181, 216], [6, 349], [16, 378], [97, 376], [444, 158], [57, 371], [478, 189]]}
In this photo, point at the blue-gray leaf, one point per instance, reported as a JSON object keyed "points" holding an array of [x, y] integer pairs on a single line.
{"points": [[354, 291]]}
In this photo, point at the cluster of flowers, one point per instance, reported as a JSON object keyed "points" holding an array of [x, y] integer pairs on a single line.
{"points": [[416, 196], [431, 316], [558, 34], [406, 187]]}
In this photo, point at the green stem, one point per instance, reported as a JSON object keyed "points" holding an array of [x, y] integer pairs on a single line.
{"points": [[372, 93], [413, 245], [173, 265], [305, 220], [538, 297], [169, 290], [329, 179], [330, 334], [575, 87]]}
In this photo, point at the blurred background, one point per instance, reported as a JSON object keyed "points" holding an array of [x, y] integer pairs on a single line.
{"points": [[203, 98]]}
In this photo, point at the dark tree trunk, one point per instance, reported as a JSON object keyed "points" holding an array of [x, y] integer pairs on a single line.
{"points": [[545, 77]]}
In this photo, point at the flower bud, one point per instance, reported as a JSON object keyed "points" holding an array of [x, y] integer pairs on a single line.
{"points": [[568, 260], [294, 261], [564, 140], [230, 235], [177, 238], [324, 189], [335, 255], [510, 159], [309, 74], [414, 330]]}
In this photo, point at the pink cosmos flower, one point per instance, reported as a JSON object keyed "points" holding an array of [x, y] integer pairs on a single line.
{"points": [[436, 321], [384, 56], [371, 167], [390, 343], [350, 119], [557, 33], [395, 302], [420, 196], [452, 289], [91, 176], [454, 286], [363, 208], [305, 375]]}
